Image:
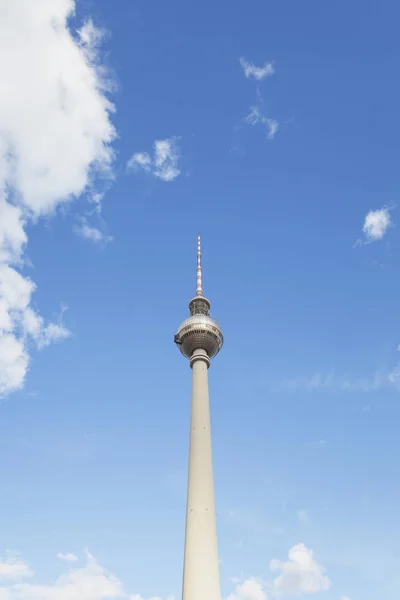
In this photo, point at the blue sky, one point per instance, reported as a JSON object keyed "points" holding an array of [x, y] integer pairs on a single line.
{"points": [[272, 128]]}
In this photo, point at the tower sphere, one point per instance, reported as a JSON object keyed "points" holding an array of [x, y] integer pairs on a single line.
{"points": [[199, 330]]}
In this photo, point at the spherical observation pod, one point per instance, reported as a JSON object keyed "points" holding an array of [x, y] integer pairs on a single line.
{"points": [[199, 331]]}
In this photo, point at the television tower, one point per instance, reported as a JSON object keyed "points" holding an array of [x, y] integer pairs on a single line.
{"points": [[199, 338]]}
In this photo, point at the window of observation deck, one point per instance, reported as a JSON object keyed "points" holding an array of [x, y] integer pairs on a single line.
{"points": [[199, 307]]}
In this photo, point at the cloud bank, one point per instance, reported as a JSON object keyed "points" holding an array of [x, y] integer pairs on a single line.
{"points": [[88, 581], [55, 136]]}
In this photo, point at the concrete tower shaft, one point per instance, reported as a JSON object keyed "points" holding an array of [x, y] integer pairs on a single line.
{"points": [[200, 338]]}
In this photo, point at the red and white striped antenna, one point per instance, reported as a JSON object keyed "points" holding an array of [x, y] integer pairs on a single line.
{"points": [[199, 290]]}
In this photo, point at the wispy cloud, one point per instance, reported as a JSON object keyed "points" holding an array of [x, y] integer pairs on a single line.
{"points": [[258, 73], [140, 160], [376, 225], [318, 381], [93, 234], [53, 332], [68, 557], [164, 164], [50, 150], [394, 375], [256, 117]]}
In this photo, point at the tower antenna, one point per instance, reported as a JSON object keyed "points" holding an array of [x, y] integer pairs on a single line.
{"points": [[199, 290]]}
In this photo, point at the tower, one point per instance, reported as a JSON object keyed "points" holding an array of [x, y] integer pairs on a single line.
{"points": [[199, 338]]}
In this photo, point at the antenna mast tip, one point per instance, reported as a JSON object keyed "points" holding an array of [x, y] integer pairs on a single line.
{"points": [[199, 289]]}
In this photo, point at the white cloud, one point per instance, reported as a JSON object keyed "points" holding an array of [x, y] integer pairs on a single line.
{"points": [[256, 117], [139, 597], [250, 589], [257, 73], [300, 574], [376, 224], [67, 557], [165, 161], [14, 361], [13, 568], [89, 582], [55, 136], [344, 598]]}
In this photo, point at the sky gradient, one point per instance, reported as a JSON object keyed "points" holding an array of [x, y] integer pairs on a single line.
{"points": [[273, 129]]}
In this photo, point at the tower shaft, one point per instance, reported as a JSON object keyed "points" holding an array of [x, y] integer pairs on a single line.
{"points": [[200, 338], [201, 569]]}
